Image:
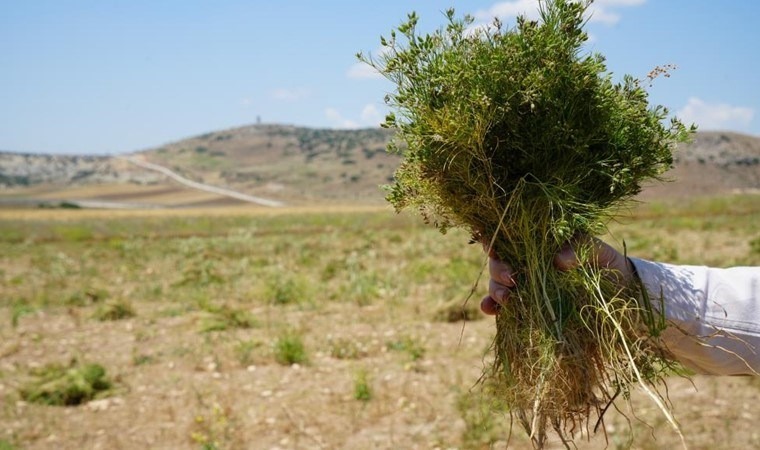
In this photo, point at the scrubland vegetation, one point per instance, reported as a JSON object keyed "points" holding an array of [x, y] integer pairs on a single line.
{"points": [[300, 329]]}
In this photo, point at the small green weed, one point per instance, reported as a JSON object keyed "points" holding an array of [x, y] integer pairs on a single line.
{"points": [[201, 273], [142, 359], [226, 317], [215, 429], [408, 345], [343, 348], [73, 233], [362, 387], [289, 349], [57, 385], [284, 290], [19, 309], [754, 246], [86, 297], [483, 426], [244, 351]]}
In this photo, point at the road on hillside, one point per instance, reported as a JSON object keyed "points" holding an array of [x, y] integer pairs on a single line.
{"points": [[200, 186]]}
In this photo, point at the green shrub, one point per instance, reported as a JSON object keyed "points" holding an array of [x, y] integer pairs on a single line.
{"points": [[284, 290], [225, 317], [362, 387], [117, 310], [289, 349], [57, 385]]}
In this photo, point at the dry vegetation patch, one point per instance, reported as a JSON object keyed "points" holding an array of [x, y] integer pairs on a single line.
{"points": [[197, 365]]}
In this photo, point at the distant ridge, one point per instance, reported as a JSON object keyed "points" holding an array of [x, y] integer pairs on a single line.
{"points": [[297, 165]]}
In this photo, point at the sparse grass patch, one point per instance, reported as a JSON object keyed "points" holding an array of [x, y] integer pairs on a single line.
{"points": [[20, 308], [84, 297], [245, 351], [457, 310], [57, 385], [346, 348], [116, 310], [141, 258], [7, 445], [286, 289], [227, 317], [485, 425], [200, 272], [409, 345], [214, 428], [754, 246], [141, 359], [73, 232], [362, 386], [289, 349]]}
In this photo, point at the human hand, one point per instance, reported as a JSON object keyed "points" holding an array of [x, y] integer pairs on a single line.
{"points": [[502, 281]]}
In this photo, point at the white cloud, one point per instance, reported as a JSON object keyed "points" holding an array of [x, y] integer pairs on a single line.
{"points": [[600, 11], [290, 95], [503, 10], [369, 116], [338, 121], [712, 116], [362, 70]]}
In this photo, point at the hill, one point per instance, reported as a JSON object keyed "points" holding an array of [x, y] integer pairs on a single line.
{"points": [[301, 166]]}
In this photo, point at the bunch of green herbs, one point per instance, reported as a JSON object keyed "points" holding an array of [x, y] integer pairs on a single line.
{"points": [[520, 137]]}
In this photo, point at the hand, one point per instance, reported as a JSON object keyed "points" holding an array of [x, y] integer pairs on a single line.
{"points": [[501, 272]]}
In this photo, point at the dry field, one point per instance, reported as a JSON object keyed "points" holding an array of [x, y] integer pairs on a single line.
{"points": [[247, 328]]}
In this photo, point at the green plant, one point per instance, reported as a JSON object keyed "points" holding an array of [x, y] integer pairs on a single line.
{"points": [[522, 139], [6, 445], [19, 309], [215, 429], [225, 317], [362, 387], [116, 310], [289, 349], [87, 296], [408, 345], [244, 351], [58, 385], [484, 424], [343, 348], [754, 246], [284, 290]]}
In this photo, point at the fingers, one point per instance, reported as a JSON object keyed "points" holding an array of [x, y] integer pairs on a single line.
{"points": [[566, 258], [602, 256], [498, 286], [489, 306], [501, 272], [502, 275]]}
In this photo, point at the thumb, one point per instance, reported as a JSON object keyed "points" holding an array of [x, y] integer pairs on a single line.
{"points": [[566, 258]]}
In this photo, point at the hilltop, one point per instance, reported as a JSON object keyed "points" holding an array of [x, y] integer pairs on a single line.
{"points": [[302, 166]]}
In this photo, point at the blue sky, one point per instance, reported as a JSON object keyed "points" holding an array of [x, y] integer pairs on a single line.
{"points": [[107, 76]]}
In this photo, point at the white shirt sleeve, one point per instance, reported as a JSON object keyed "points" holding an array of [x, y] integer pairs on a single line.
{"points": [[713, 315]]}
